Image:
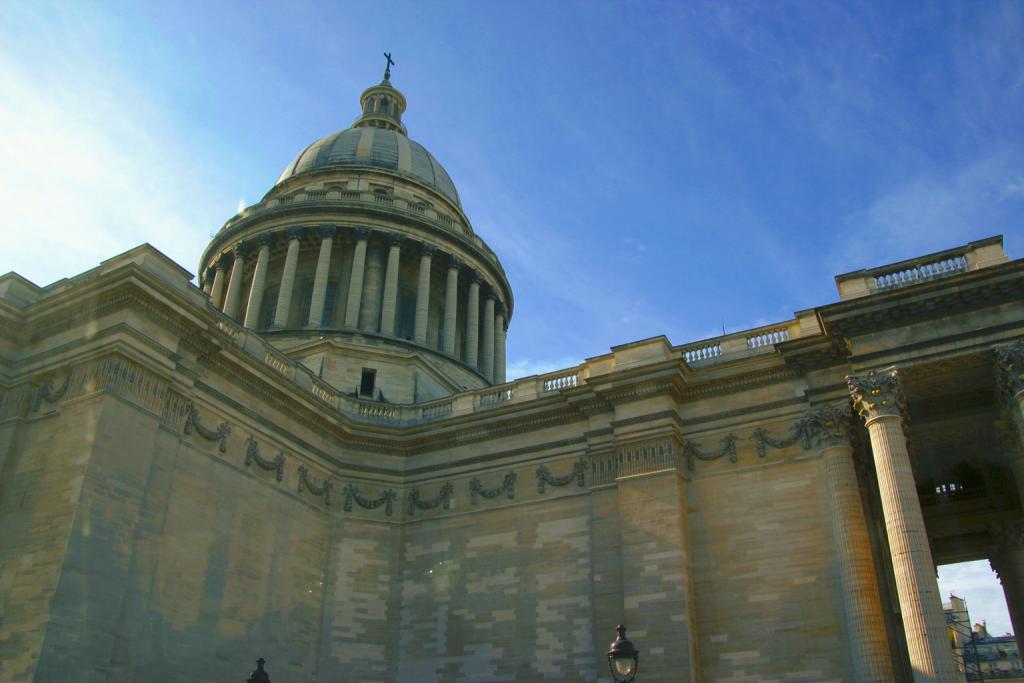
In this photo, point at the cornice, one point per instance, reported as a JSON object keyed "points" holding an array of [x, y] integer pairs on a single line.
{"points": [[925, 301]]}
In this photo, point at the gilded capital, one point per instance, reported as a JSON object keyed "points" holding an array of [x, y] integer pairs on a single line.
{"points": [[1010, 366], [827, 426], [877, 393]]}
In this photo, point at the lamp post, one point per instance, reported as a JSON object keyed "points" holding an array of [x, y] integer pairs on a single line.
{"points": [[259, 675], [623, 658]]}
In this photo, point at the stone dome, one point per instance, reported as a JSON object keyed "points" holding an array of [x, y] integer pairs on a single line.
{"points": [[373, 147]]}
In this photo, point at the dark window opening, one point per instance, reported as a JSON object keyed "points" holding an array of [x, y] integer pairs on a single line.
{"points": [[367, 382]]}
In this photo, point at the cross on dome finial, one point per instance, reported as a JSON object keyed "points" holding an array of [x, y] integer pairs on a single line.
{"points": [[387, 68]]}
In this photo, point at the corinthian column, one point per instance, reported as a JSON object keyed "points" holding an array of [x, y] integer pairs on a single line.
{"points": [[218, 281], [879, 399], [423, 295], [451, 304], [259, 283], [473, 321], [488, 341], [355, 282], [284, 292], [234, 296], [320, 278], [390, 303], [499, 346], [828, 428]]}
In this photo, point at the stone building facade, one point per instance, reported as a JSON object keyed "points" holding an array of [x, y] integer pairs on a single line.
{"points": [[314, 456]]}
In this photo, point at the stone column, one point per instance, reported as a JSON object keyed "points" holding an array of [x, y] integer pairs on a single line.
{"points": [[259, 283], [499, 346], [451, 305], [323, 271], [218, 282], [488, 342], [1008, 537], [473, 321], [862, 608], [355, 282], [207, 281], [234, 295], [390, 304], [1008, 563], [879, 399], [284, 292], [423, 295], [373, 288]]}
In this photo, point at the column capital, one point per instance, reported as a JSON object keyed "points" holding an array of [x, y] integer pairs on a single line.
{"points": [[828, 425], [474, 277], [1006, 537], [1010, 367], [395, 239], [877, 394], [208, 275], [265, 240], [224, 260], [242, 250], [455, 262], [327, 231], [427, 249], [499, 307], [361, 234], [294, 233]]}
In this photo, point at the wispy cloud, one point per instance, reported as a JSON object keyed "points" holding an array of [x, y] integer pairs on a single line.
{"points": [[88, 172], [525, 367]]}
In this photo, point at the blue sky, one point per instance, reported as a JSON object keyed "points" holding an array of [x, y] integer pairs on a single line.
{"points": [[640, 168]]}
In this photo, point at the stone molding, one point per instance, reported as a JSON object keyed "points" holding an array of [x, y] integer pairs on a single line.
{"points": [[877, 394]]}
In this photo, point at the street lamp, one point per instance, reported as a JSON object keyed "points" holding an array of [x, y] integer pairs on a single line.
{"points": [[259, 675], [623, 658]]}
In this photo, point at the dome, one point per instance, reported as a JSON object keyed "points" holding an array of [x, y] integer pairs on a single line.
{"points": [[377, 148]]}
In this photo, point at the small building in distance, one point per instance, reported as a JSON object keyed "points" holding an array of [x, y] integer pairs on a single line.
{"points": [[981, 656]]}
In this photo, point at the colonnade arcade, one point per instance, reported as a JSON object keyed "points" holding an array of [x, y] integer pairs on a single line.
{"points": [[947, 454], [378, 282]]}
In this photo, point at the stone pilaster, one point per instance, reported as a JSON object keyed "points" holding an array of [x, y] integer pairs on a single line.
{"points": [[451, 305], [1008, 563], [259, 283], [320, 278], [657, 590], [423, 294], [828, 430], [390, 304], [878, 398], [473, 321], [355, 282], [217, 292], [234, 295], [499, 346], [284, 292], [488, 340]]}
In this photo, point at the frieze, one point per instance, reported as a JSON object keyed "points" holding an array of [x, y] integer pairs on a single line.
{"points": [[193, 424], [324, 488], [386, 498], [692, 453], [275, 464], [507, 486], [443, 499], [877, 394], [826, 426], [545, 478]]}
